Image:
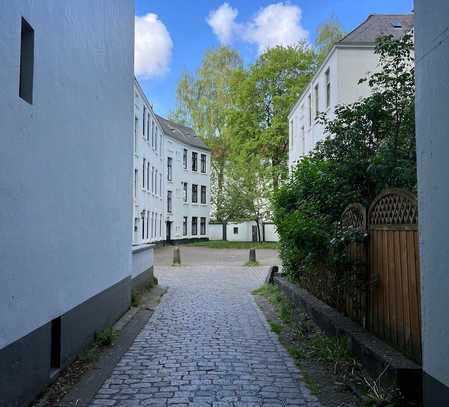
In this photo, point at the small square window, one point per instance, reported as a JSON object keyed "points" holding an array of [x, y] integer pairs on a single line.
{"points": [[236, 230]]}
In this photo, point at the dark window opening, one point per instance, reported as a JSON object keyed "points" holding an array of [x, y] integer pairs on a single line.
{"points": [[26, 62], [203, 226], [203, 194], [203, 163], [55, 355], [194, 193], [236, 231], [194, 161], [194, 225]]}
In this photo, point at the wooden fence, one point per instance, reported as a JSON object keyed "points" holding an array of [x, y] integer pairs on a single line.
{"points": [[387, 301]]}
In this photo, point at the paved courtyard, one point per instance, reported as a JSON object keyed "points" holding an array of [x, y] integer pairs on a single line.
{"points": [[207, 344]]}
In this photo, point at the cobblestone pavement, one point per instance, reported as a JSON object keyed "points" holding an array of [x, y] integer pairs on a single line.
{"points": [[207, 344]]}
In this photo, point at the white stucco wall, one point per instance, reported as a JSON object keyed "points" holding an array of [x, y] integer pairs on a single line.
{"points": [[432, 120], [346, 65], [215, 231], [65, 160], [142, 259], [271, 234], [174, 149], [149, 196]]}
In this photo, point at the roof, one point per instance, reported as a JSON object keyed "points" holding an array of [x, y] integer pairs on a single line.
{"points": [[366, 34], [377, 25], [181, 133]]}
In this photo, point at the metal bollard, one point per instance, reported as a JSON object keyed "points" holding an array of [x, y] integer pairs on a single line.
{"points": [[176, 256], [252, 255]]}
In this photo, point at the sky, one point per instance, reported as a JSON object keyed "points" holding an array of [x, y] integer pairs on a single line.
{"points": [[171, 36]]}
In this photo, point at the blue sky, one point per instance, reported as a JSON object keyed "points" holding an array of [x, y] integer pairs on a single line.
{"points": [[172, 35]]}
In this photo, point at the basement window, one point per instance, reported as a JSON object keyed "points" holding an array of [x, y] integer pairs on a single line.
{"points": [[26, 62], [55, 355]]}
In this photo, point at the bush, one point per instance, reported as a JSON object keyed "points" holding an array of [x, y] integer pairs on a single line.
{"points": [[370, 146]]}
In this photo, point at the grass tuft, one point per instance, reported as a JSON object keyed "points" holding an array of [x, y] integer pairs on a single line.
{"points": [[252, 264], [106, 337], [276, 328]]}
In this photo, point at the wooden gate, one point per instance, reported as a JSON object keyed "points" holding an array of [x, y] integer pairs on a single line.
{"points": [[353, 219], [394, 299]]}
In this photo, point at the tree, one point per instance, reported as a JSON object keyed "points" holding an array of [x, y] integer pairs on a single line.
{"points": [[263, 96], [203, 102], [328, 34], [370, 145]]}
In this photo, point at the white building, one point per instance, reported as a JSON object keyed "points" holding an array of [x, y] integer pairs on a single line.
{"points": [[188, 164], [243, 232], [432, 144], [149, 182], [66, 100], [336, 81]]}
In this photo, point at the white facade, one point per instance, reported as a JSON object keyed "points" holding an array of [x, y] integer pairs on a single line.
{"points": [[171, 193], [335, 83], [244, 232], [189, 189], [149, 179]]}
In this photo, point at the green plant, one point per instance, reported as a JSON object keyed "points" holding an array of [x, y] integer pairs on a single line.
{"points": [[275, 327], [295, 352], [90, 354], [330, 349], [106, 337], [252, 264], [136, 298]]}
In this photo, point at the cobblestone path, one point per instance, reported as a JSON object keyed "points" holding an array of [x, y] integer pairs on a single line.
{"points": [[207, 344]]}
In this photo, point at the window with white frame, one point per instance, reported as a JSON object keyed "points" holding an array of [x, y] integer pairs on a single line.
{"points": [[194, 225], [317, 100], [152, 179], [184, 226], [148, 176], [136, 123], [203, 194], [194, 193], [203, 226], [309, 105], [203, 163], [184, 191], [194, 161], [169, 168], [148, 127], [328, 87], [143, 173], [169, 201], [143, 120], [184, 158]]}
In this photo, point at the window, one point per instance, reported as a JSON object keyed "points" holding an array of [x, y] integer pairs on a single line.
{"points": [[155, 139], [148, 176], [184, 189], [160, 184], [160, 225], [169, 168], [143, 121], [143, 225], [152, 132], [194, 193], [236, 230], [203, 226], [155, 181], [309, 103], [328, 87], [148, 127], [152, 224], [303, 140], [194, 161], [184, 226], [135, 182], [143, 173], [152, 179], [169, 201], [184, 158], [203, 163], [194, 225], [136, 123], [26, 62], [203, 194], [148, 221], [290, 133], [317, 101]]}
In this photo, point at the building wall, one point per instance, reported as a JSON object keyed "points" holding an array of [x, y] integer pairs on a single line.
{"points": [[346, 65], [181, 209], [215, 231], [271, 234], [142, 265], [149, 179], [432, 120], [65, 166]]}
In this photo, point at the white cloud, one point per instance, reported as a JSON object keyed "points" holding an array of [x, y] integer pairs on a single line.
{"points": [[152, 47], [275, 24], [222, 22]]}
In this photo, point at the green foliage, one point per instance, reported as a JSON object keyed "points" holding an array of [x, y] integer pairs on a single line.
{"points": [[370, 146], [328, 34], [106, 337], [276, 328], [251, 263]]}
